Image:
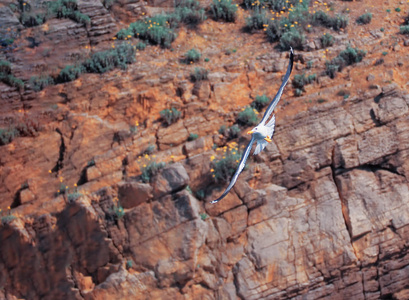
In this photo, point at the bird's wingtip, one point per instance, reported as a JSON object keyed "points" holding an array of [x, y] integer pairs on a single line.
{"points": [[214, 201]]}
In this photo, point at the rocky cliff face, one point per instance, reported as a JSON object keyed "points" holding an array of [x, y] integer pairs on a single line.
{"points": [[322, 213]]}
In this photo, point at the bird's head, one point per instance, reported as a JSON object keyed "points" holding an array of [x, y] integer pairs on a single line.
{"points": [[254, 130]]}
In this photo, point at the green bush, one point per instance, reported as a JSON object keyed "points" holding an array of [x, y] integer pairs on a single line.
{"points": [[7, 77], [189, 12], [257, 20], [248, 116], [73, 196], [404, 29], [7, 135], [327, 40], [224, 10], [70, 73], [157, 30], [66, 9], [7, 219], [199, 74], [260, 102], [320, 18], [119, 211], [364, 19], [150, 170], [192, 136], [300, 80], [170, 116], [140, 46], [293, 38], [192, 56], [223, 168], [345, 58], [31, 19], [38, 83], [101, 62]]}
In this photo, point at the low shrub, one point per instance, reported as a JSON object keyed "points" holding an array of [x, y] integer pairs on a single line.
{"points": [[199, 74], [320, 18], [7, 77], [327, 40], [38, 83], [7, 135], [192, 137], [260, 102], [300, 80], [222, 169], [189, 12], [404, 29], [248, 116], [364, 19], [140, 46], [170, 116], [345, 58], [292, 38], [224, 10], [257, 20], [101, 62], [66, 9], [192, 56], [70, 73], [151, 169]]}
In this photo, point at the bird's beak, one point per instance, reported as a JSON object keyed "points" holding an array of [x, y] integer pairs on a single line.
{"points": [[250, 132]]}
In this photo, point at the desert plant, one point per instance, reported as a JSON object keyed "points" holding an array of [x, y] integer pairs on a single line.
{"points": [[260, 102], [199, 74], [66, 9], [248, 116], [224, 10], [203, 216], [300, 80], [404, 29], [327, 40], [189, 12], [101, 62], [73, 196], [192, 136], [170, 116], [346, 57], [366, 18], [151, 169], [70, 73], [38, 83], [292, 38], [222, 169], [140, 46], [31, 19], [192, 56], [320, 18], [119, 211], [7, 135], [7, 77], [257, 20]]}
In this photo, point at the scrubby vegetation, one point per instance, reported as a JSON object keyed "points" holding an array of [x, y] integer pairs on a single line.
{"points": [[300, 81], [345, 58], [170, 116], [199, 74], [364, 19], [7, 77], [327, 40], [225, 164], [248, 116], [192, 136], [404, 29], [160, 29], [224, 10], [30, 17], [260, 102], [231, 132], [192, 56], [38, 83], [151, 169], [99, 62]]}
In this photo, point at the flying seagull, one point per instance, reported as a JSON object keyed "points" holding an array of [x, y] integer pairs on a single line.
{"points": [[262, 133]]}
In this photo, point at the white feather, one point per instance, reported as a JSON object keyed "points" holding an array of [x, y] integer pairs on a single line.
{"points": [[261, 144]]}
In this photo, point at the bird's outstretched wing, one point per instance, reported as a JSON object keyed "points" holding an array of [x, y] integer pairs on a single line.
{"points": [[238, 171], [274, 103]]}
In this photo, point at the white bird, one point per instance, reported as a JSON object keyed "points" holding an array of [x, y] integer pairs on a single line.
{"points": [[263, 132]]}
